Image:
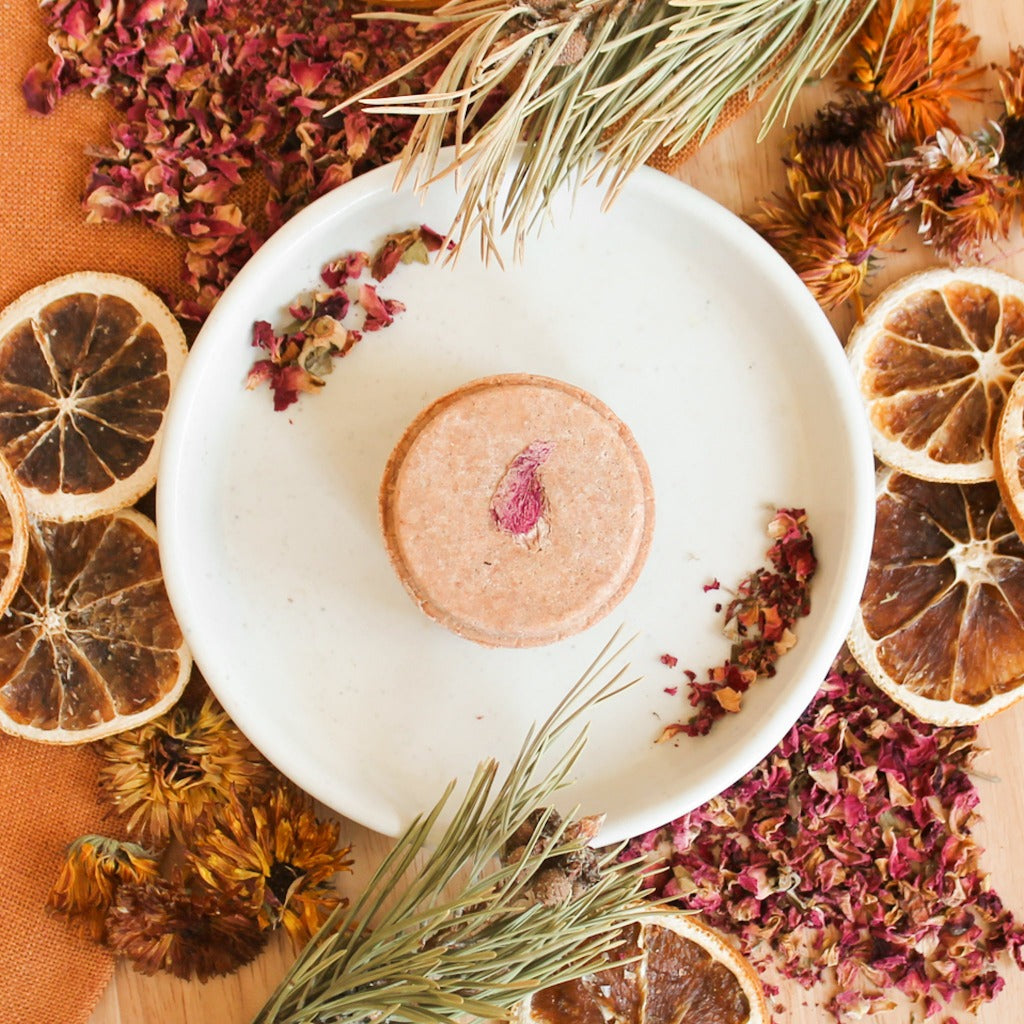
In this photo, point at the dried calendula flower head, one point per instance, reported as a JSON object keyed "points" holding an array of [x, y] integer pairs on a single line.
{"points": [[955, 184], [917, 65], [182, 927], [832, 240], [166, 773], [1011, 84], [847, 145], [276, 857], [94, 868]]}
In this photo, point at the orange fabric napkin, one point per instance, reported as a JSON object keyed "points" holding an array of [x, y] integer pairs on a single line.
{"points": [[48, 794]]}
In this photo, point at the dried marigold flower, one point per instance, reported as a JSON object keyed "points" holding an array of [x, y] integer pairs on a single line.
{"points": [[1011, 84], [183, 928], [917, 65], [955, 185], [831, 239], [94, 867], [847, 146], [275, 857], [164, 774]]}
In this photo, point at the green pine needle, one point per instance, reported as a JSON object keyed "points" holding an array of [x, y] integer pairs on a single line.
{"points": [[458, 937]]}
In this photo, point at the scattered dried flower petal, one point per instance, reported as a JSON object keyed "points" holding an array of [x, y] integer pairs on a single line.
{"points": [[846, 855]]}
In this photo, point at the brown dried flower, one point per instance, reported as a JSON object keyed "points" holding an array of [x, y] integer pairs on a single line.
{"points": [[165, 773], [183, 928], [830, 238], [955, 184], [917, 64], [93, 869], [276, 857], [1011, 84]]}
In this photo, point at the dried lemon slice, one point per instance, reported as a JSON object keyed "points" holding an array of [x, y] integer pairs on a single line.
{"points": [[13, 535], [941, 621], [90, 645], [934, 358], [671, 969], [87, 363]]}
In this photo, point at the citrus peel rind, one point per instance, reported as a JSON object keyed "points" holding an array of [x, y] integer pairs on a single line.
{"points": [[934, 358], [90, 646], [684, 971], [13, 536], [1009, 454], [87, 364], [940, 627]]}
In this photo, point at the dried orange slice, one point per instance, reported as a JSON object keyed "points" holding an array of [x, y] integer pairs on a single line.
{"points": [[1009, 454], [935, 357], [89, 645], [671, 969], [941, 621], [87, 363], [13, 535]]}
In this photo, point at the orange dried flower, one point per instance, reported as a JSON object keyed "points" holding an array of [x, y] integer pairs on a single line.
{"points": [[955, 184], [93, 869], [276, 857], [1011, 84], [182, 928], [165, 773], [914, 64], [830, 238]]}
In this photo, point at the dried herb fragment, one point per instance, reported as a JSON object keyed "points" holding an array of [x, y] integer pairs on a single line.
{"points": [[846, 856], [300, 357], [759, 621]]}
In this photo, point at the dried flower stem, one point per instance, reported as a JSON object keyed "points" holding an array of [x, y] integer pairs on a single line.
{"points": [[429, 956]]}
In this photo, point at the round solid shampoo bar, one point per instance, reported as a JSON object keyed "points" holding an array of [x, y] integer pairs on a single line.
{"points": [[517, 510]]}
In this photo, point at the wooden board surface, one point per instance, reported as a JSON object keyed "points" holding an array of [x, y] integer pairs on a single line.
{"points": [[734, 169]]}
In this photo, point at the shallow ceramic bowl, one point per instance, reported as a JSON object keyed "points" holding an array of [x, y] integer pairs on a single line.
{"points": [[667, 308]]}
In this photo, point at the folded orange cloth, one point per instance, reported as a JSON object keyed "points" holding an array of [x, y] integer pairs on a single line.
{"points": [[48, 796], [43, 166]]}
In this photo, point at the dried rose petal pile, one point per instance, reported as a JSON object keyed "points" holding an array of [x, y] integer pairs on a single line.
{"points": [[759, 621], [846, 856], [224, 128], [299, 357]]}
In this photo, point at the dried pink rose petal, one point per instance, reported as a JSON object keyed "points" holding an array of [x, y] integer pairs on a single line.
{"points": [[846, 856], [519, 505]]}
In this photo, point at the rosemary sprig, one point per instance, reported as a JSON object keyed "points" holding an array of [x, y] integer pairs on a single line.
{"points": [[592, 88], [462, 936]]}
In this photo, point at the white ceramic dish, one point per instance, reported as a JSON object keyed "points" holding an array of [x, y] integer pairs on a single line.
{"points": [[669, 309]]}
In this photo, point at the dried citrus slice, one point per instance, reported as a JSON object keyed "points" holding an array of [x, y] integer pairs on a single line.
{"points": [[671, 969], [13, 535], [1009, 454], [934, 358], [87, 363], [941, 620], [89, 645]]}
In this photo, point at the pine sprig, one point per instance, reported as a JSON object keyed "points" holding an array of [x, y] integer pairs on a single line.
{"points": [[593, 88], [462, 936]]}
